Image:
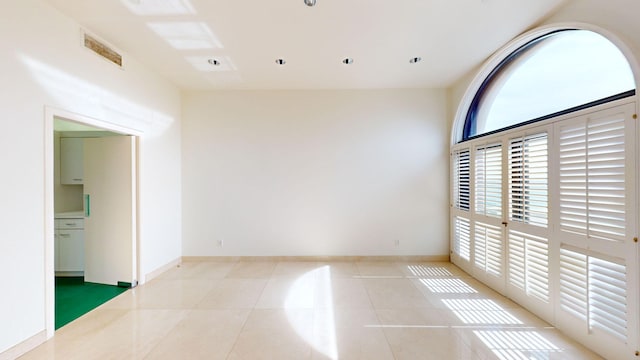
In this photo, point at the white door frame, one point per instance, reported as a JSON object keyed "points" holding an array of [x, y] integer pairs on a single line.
{"points": [[49, 213]]}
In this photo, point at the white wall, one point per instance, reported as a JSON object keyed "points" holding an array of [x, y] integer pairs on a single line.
{"points": [[42, 64], [312, 173]]}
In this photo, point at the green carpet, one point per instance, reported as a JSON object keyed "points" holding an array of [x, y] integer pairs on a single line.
{"points": [[74, 298]]}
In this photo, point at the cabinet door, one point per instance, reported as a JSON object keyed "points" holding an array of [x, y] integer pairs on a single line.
{"points": [[71, 161], [70, 250], [110, 208]]}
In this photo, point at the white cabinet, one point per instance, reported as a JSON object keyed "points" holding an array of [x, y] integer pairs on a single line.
{"points": [[71, 161], [69, 246]]}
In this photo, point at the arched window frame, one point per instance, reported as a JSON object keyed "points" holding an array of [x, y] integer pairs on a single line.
{"points": [[470, 118], [509, 53]]}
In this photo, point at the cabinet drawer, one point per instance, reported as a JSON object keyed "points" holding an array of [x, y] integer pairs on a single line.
{"points": [[70, 246], [70, 223]]}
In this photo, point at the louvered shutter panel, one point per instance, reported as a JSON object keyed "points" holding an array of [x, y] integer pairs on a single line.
{"points": [[529, 264], [608, 297], [592, 178], [573, 283], [480, 179], [494, 250], [461, 180], [480, 245], [606, 178], [573, 178], [516, 260], [462, 237], [537, 249], [488, 180], [595, 289], [488, 248], [528, 179]]}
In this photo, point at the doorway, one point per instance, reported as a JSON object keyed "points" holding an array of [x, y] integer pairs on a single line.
{"points": [[91, 214]]}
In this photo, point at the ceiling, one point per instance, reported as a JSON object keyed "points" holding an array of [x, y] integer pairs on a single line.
{"points": [[176, 38]]}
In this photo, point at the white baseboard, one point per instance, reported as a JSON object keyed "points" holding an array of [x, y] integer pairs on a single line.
{"points": [[24, 347], [417, 258], [157, 272]]}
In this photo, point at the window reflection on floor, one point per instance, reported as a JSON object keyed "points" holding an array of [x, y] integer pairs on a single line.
{"points": [[512, 345]]}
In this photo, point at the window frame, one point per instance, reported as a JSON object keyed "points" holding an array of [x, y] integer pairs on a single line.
{"points": [[473, 109]]}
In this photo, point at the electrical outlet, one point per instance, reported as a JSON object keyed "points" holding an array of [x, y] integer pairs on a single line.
{"points": [[396, 243], [220, 243]]}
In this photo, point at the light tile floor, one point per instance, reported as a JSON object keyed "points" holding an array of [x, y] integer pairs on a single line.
{"points": [[310, 310]]}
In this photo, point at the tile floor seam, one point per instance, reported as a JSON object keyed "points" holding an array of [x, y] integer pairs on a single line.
{"points": [[375, 311]]}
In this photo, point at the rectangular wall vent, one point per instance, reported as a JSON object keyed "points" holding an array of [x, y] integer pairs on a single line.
{"points": [[101, 49]]}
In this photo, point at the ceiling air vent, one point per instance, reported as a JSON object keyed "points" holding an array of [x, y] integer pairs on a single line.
{"points": [[101, 49]]}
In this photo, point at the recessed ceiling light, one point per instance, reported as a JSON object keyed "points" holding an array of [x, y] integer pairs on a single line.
{"points": [[280, 62], [310, 2], [214, 62], [347, 61], [415, 60]]}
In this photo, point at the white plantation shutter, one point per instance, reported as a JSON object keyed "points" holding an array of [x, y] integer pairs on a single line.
{"points": [[462, 237], [606, 178], [573, 178], [528, 179], [566, 192], [480, 245], [488, 180], [573, 283], [529, 264], [488, 248], [516, 261], [592, 177], [461, 180], [595, 291], [608, 297]]}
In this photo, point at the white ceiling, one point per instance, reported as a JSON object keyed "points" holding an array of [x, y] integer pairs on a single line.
{"points": [[177, 37]]}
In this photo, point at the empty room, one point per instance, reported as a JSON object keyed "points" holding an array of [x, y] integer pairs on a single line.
{"points": [[320, 179]]}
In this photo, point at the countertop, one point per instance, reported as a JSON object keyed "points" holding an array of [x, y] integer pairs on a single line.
{"points": [[70, 215]]}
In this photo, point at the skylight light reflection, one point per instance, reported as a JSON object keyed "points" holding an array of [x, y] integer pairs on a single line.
{"points": [[512, 345], [429, 271], [187, 35], [480, 311], [159, 7], [448, 286], [323, 338]]}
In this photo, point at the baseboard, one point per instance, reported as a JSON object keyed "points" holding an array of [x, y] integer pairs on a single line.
{"points": [[24, 347], [412, 258], [157, 272]]}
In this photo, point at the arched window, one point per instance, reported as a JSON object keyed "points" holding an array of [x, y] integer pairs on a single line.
{"points": [[556, 73], [546, 212]]}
